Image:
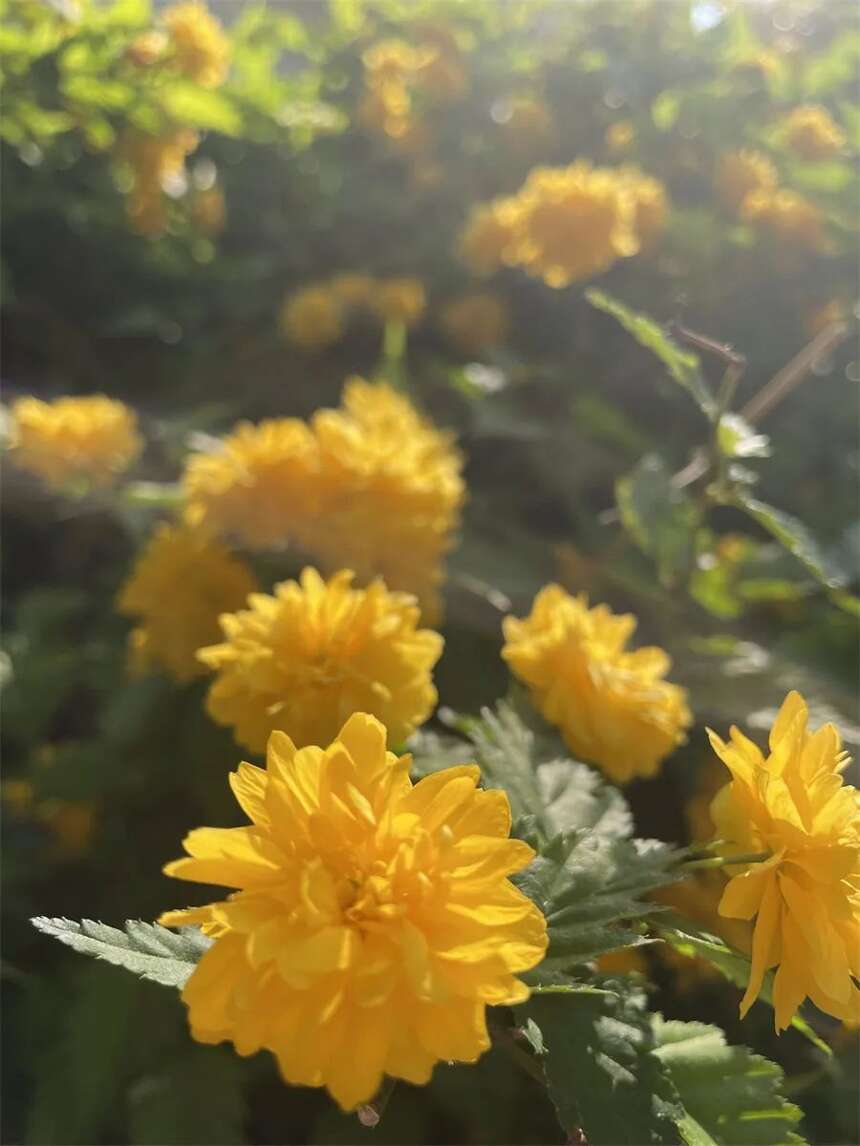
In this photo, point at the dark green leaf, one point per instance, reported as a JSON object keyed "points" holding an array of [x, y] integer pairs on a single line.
{"points": [[660, 518]]}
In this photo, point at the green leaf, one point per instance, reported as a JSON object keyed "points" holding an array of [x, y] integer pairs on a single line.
{"points": [[731, 1095], [795, 537], [195, 1098], [589, 888], [660, 518], [210, 110], [548, 797], [150, 951], [601, 1073], [681, 365]]}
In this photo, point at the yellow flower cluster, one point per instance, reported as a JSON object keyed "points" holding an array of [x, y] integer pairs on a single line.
{"points": [[476, 321], [153, 161], [810, 132], [314, 317], [739, 173], [372, 486], [395, 71], [372, 921], [74, 440], [304, 659], [200, 49], [789, 218], [792, 808], [613, 706], [620, 137], [181, 583], [566, 224]]}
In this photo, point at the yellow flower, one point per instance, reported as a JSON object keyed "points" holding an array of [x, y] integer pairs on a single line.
{"points": [[180, 585], [650, 205], [620, 137], [392, 61], [373, 920], [304, 659], [92, 439], [810, 132], [490, 236], [793, 807], [390, 491], [209, 211], [154, 161], [146, 49], [624, 961], [739, 173], [578, 221], [440, 72], [787, 216], [260, 486], [312, 318], [201, 50], [399, 300], [476, 321], [613, 706]]}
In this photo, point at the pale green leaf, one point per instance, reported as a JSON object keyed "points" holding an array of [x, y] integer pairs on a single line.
{"points": [[795, 537], [147, 950]]}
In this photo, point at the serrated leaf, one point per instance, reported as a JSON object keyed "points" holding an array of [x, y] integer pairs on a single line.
{"points": [[589, 888], [681, 365], [731, 1095], [601, 1074], [660, 518], [147, 950], [197, 1098], [795, 537], [548, 796]]}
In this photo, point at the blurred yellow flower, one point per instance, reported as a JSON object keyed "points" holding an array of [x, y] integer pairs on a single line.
{"points": [[209, 210], [792, 807], [787, 217], [739, 173], [490, 236], [399, 300], [69, 440], [373, 920], [306, 658], [392, 61], [650, 205], [620, 137], [613, 707], [180, 585], [441, 72], [147, 48], [390, 491], [312, 318], [70, 821], [201, 50], [475, 321], [258, 486], [810, 132], [624, 961], [153, 161]]}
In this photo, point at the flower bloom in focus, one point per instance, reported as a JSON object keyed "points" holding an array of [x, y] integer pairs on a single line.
{"points": [[741, 172], [390, 491], [793, 808], [257, 486], [304, 659], [201, 50], [311, 318], [399, 300], [372, 921], [809, 131], [180, 585], [789, 218], [613, 706], [91, 439], [473, 322]]}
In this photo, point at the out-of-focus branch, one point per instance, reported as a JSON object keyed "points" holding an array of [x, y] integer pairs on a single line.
{"points": [[794, 372]]}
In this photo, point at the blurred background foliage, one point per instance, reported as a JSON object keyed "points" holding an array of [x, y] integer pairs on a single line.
{"points": [[157, 217]]}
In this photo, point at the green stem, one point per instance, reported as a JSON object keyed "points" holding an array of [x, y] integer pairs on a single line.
{"points": [[725, 861], [394, 352]]}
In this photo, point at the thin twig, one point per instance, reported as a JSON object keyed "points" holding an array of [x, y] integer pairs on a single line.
{"points": [[794, 372], [371, 1112]]}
